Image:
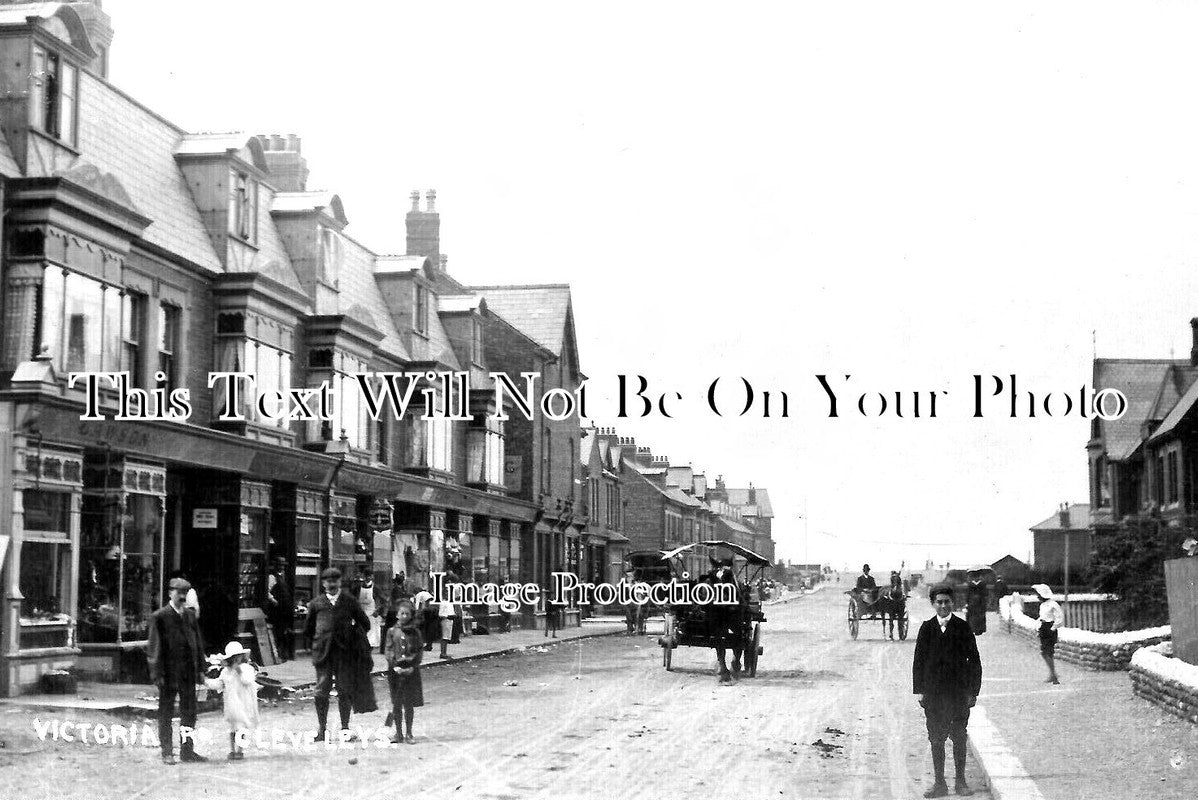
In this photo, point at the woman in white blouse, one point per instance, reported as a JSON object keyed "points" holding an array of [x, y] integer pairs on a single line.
{"points": [[1052, 617]]}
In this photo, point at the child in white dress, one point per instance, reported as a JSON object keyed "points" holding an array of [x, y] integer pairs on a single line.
{"points": [[236, 678]]}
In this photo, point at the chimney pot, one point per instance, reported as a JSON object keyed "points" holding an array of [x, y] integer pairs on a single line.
{"points": [[293, 142], [444, 263], [430, 199], [276, 142], [415, 199]]}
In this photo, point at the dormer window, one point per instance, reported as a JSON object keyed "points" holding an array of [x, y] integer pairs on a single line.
{"points": [[420, 310], [330, 255], [54, 87], [243, 206], [476, 342]]}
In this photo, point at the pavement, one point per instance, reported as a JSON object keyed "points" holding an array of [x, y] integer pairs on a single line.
{"points": [[1090, 738], [298, 675]]}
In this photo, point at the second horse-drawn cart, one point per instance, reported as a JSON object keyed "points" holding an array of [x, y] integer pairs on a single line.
{"points": [[735, 627], [888, 604]]}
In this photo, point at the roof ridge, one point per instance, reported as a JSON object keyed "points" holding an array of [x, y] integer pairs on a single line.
{"points": [[519, 286]]}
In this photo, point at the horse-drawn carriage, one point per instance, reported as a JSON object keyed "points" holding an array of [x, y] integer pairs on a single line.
{"points": [[735, 627], [888, 605]]}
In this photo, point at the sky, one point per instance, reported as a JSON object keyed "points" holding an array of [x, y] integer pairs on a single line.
{"points": [[910, 195]]}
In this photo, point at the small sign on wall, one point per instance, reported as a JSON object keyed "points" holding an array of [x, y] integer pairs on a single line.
{"points": [[203, 518]]}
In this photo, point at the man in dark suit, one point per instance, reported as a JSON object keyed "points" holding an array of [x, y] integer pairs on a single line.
{"points": [[175, 653], [946, 677], [280, 609], [336, 627]]}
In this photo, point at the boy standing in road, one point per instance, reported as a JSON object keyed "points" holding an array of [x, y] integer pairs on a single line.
{"points": [[946, 677]]}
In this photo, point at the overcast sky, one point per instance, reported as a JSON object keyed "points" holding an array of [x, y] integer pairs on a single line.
{"points": [[907, 195]]}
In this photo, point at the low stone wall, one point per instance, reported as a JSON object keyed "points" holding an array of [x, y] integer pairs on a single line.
{"points": [[1168, 682], [1089, 649]]}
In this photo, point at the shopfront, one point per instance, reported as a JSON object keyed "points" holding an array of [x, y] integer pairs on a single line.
{"points": [[121, 562], [299, 517], [419, 541], [39, 624]]}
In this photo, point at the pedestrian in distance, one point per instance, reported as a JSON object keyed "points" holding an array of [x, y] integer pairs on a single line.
{"points": [[946, 678], [552, 617], [404, 650], [390, 613], [232, 674], [341, 654], [280, 608], [175, 653], [976, 600], [1051, 618], [447, 614]]}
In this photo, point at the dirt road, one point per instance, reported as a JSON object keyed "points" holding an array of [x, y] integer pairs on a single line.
{"points": [[826, 717]]}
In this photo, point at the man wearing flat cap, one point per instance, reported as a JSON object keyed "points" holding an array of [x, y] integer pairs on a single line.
{"points": [[336, 627], [175, 654]]}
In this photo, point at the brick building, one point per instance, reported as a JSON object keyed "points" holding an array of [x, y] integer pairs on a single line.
{"points": [[1065, 537], [131, 245]]}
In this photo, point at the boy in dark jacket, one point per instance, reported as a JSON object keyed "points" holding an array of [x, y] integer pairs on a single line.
{"points": [[946, 677]]}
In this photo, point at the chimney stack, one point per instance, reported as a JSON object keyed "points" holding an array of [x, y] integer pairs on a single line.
{"points": [[288, 168], [1064, 515], [424, 228], [1194, 346]]}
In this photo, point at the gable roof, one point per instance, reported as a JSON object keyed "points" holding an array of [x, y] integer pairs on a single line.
{"points": [[1140, 382], [541, 311], [306, 202], [1079, 518], [1178, 410], [761, 508]]}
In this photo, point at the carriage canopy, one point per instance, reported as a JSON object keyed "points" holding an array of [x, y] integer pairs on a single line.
{"points": [[744, 552]]}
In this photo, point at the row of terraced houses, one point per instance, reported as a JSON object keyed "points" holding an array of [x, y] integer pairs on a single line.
{"points": [[131, 245]]}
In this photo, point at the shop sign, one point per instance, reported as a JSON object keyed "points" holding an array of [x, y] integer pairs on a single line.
{"points": [[203, 518], [380, 515]]}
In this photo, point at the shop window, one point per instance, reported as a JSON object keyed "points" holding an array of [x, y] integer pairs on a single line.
{"points": [[120, 570], [53, 88], [243, 206], [47, 512], [45, 581], [133, 335], [307, 537]]}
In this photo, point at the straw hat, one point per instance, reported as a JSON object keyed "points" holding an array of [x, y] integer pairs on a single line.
{"points": [[234, 649], [1043, 590]]}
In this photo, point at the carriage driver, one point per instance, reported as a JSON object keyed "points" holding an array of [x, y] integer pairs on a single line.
{"points": [[866, 582]]}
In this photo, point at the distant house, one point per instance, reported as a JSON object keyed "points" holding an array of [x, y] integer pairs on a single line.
{"points": [[1066, 532], [1011, 570]]}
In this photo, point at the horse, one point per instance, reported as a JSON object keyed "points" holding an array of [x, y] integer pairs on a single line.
{"points": [[891, 603]]}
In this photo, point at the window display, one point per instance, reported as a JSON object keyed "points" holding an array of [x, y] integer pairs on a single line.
{"points": [[120, 569]]}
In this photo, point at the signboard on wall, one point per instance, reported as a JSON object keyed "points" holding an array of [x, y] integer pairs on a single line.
{"points": [[513, 471], [203, 518]]}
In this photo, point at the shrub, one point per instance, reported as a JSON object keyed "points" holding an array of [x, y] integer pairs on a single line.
{"points": [[1129, 561]]}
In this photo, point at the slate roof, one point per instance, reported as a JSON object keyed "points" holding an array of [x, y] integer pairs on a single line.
{"points": [[681, 476], [8, 164], [539, 311], [1079, 519], [137, 147], [358, 286], [762, 508], [1179, 407], [1140, 381]]}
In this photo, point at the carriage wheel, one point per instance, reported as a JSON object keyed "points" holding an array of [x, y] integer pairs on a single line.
{"points": [[753, 651], [903, 623], [667, 649], [853, 623]]}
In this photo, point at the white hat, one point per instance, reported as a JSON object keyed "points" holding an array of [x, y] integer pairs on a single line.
{"points": [[234, 649], [1042, 590]]}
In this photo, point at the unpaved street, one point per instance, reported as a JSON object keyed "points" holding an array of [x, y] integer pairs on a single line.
{"points": [[825, 718]]}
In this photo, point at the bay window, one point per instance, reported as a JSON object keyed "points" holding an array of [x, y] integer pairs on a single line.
{"points": [[80, 322], [133, 334], [270, 367], [484, 451], [439, 446]]}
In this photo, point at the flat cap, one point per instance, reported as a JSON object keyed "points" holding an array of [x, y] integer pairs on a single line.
{"points": [[331, 574], [180, 583]]}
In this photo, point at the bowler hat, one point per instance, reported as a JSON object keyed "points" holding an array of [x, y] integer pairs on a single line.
{"points": [[331, 574]]}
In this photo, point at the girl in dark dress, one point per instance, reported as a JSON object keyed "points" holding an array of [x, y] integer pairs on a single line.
{"points": [[404, 650]]}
